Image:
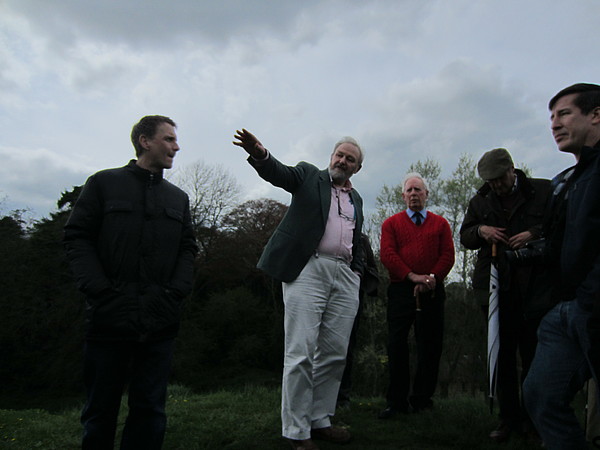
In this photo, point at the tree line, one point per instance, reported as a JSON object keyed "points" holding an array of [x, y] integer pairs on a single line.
{"points": [[232, 326]]}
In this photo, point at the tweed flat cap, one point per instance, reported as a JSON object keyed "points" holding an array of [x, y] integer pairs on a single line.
{"points": [[494, 164]]}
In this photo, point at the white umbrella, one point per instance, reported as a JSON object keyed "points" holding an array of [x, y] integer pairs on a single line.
{"points": [[493, 341]]}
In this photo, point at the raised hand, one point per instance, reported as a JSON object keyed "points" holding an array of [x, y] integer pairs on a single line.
{"points": [[250, 143]]}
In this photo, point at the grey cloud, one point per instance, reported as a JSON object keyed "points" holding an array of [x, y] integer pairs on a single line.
{"points": [[155, 21], [463, 105], [464, 108], [35, 179], [95, 47], [409, 79], [98, 69], [148, 24]]}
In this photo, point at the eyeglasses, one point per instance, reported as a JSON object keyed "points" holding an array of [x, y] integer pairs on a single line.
{"points": [[340, 213]]}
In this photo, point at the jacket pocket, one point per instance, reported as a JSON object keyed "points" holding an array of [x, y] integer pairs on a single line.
{"points": [[114, 206], [113, 315], [117, 218], [119, 234], [174, 214], [162, 309]]}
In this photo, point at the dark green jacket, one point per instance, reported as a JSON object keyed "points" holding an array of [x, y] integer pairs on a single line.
{"points": [[485, 209], [299, 233]]}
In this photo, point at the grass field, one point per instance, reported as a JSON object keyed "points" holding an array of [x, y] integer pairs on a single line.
{"points": [[249, 419]]}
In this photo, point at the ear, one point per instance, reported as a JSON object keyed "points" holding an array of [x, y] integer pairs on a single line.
{"points": [[595, 115], [143, 140]]}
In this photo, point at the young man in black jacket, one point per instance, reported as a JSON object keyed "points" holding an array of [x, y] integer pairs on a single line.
{"points": [[131, 247], [568, 341]]}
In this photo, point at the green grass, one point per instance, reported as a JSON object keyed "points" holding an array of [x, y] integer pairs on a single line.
{"points": [[249, 419]]}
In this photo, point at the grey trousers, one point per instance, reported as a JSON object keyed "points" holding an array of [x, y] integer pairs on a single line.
{"points": [[320, 307]]}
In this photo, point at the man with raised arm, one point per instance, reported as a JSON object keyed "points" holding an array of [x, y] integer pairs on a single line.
{"points": [[313, 252]]}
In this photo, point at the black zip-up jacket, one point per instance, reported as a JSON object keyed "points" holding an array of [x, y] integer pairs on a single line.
{"points": [[485, 209], [131, 247], [578, 238]]}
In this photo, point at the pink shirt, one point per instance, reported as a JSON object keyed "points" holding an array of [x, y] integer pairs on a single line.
{"points": [[339, 230]]}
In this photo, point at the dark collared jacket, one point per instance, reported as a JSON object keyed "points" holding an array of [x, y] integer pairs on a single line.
{"points": [[578, 238], [300, 231], [485, 209], [131, 247]]}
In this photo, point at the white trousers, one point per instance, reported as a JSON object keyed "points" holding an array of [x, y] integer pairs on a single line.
{"points": [[320, 307]]}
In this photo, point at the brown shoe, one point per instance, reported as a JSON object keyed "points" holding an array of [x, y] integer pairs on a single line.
{"points": [[502, 433], [303, 444], [337, 435]]}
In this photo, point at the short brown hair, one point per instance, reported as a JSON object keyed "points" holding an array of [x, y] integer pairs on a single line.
{"points": [[147, 127]]}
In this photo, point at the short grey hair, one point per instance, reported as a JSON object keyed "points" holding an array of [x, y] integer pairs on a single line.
{"points": [[350, 140], [410, 175]]}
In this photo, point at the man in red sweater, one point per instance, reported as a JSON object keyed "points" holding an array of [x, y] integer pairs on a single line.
{"points": [[418, 252]]}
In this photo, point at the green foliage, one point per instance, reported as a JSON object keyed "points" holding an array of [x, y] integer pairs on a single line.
{"points": [[463, 363], [232, 336], [232, 329], [68, 198], [458, 191], [39, 332], [370, 374], [249, 418], [462, 366], [234, 316], [38, 429], [228, 259]]}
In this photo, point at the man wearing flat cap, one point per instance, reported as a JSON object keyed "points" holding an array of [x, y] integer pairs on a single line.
{"points": [[507, 211]]}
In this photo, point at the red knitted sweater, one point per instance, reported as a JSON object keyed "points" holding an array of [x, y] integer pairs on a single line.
{"points": [[424, 249]]}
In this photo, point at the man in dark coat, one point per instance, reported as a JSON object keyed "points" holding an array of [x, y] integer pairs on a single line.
{"points": [[313, 252], [131, 247], [568, 351], [507, 211]]}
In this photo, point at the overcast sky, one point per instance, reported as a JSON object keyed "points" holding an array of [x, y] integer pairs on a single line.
{"points": [[409, 79]]}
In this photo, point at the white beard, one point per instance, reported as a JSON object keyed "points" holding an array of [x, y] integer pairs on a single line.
{"points": [[338, 175]]}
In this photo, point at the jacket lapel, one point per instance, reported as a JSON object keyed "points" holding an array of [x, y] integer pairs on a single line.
{"points": [[357, 202], [325, 194]]}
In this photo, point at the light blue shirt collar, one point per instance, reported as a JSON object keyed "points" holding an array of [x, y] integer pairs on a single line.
{"points": [[411, 214]]}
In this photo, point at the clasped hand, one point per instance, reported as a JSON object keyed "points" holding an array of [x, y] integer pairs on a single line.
{"points": [[423, 283], [494, 235]]}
